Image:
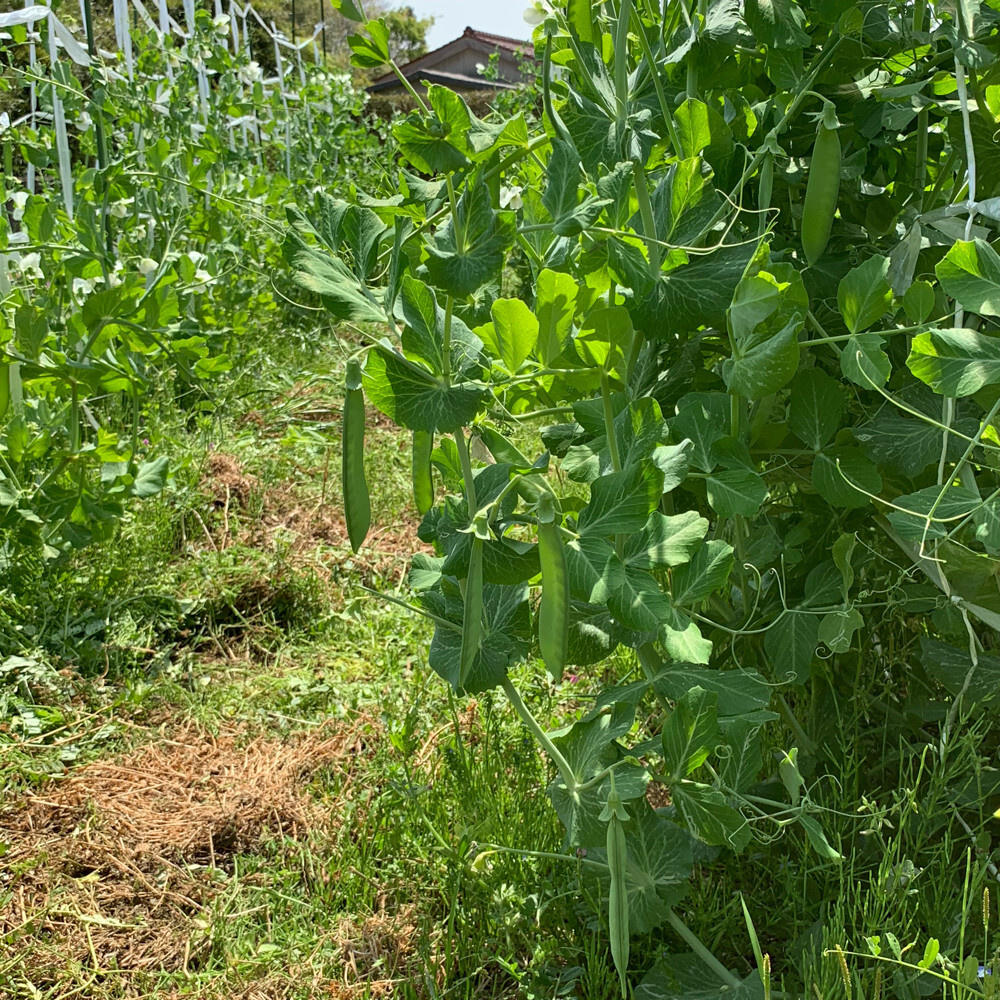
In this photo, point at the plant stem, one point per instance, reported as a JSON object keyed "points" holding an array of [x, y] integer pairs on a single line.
{"points": [[469, 481], [565, 771], [700, 950], [609, 423], [646, 213]]}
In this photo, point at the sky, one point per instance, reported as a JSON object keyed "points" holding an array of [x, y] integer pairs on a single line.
{"points": [[501, 17]]}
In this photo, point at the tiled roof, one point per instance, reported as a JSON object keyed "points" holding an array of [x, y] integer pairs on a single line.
{"points": [[429, 59]]}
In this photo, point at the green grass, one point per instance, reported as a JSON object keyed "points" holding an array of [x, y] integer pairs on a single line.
{"points": [[246, 611]]}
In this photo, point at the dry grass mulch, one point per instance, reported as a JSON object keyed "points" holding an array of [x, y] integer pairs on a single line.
{"points": [[112, 867]]}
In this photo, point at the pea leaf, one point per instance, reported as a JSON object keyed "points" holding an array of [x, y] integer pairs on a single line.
{"points": [[970, 274], [708, 815], [735, 492], [512, 335], [666, 541], [955, 362], [836, 629], [737, 691], [790, 645], [555, 301], [638, 602], [415, 398], [816, 407], [835, 469], [864, 295], [707, 572], [864, 362], [622, 502], [690, 733], [594, 569]]}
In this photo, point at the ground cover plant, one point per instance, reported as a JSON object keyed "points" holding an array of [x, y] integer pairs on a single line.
{"points": [[747, 260]]}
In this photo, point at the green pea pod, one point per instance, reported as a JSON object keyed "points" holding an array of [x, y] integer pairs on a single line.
{"points": [[423, 483], [553, 611], [822, 191], [472, 621], [4, 389], [614, 815], [357, 505]]}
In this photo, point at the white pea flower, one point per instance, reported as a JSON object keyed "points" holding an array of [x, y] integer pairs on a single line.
{"points": [[119, 209], [202, 276], [115, 276], [537, 12], [84, 121], [510, 197], [221, 23], [30, 265], [147, 266], [20, 200], [251, 73], [196, 257], [82, 287]]}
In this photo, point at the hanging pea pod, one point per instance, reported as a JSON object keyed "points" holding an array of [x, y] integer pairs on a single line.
{"points": [[615, 816], [472, 621], [822, 188], [423, 482], [553, 610], [4, 390], [357, 505]]}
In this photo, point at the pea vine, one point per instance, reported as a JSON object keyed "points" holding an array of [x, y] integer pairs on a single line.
{"points": [[704, 367]]}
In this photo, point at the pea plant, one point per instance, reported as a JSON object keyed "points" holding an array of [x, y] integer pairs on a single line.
{"points": [[703, 372], [133, 251]]}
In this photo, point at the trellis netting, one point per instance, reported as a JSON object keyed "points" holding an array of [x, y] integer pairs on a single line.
{"points": [[52, 41]]}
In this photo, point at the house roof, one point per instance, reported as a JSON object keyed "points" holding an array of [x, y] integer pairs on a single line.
{"points": [[423, 66]]}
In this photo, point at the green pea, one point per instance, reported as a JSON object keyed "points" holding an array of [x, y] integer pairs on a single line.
{"points": [[615, 816], [357, 505], [423, 483], [822, 191], [553, 611]]}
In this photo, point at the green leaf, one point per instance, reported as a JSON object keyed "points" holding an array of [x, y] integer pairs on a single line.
{"points": [[778, 24], [694, 294], [817, 838], [512, 335], [707, 572], [690, 733], [348, 9], [462, 264], [767, 366], [555, 302], [371, 51], [685, 977], [955, 362], [864, 295], [901, 442], [682, 639], [836, 629], [911, 521], [423, 337], [701, 128], [594, 569], [151, 477], [622, 502], [665, 540], [735, 492], [918, 301], [790, 644], [710, 818], [970, 274], [330, 278], [412, 397], [638, 603], [743, 761], [683, 203], [589, 747], [505, 638], [835, 469], [864, 362], [737, 691], [816, 407]]}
